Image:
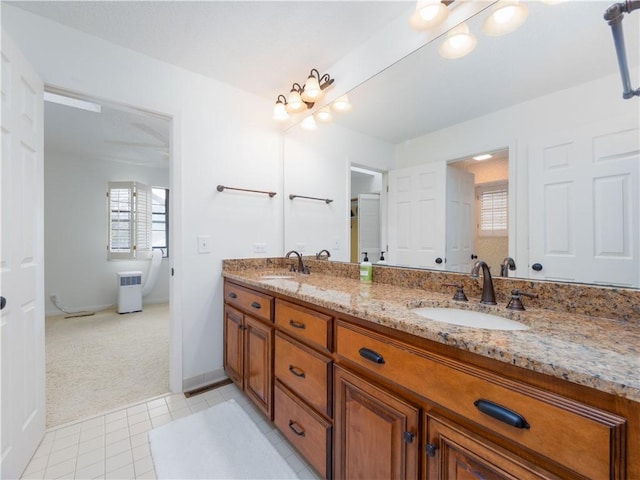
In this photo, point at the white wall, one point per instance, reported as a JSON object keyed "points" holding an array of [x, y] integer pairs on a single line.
{"points": [[317, 164], [76, 266], [218, 136]]}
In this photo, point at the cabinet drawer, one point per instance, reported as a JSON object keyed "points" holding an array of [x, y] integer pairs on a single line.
{"points": [[305, 429], [582, 438], [304, 324], [257, 304], [306, 372]]}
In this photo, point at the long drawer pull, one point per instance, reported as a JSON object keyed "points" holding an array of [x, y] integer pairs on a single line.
{"points": [[371, 355], [298, 431], [256, 305], [298, 372], [501, 413], [295, 324], [233, 295]]}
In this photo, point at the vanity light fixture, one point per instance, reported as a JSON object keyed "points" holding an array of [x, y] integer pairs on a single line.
{"points": [[459, 42], [485, 156], [506, 16], [302, 98], [429, 13]]}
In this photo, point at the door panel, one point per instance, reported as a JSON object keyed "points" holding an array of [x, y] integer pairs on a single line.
{"points": [[21, 264]]}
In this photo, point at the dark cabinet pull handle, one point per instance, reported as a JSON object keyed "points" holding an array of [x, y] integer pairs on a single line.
{"points": [[431, 448], [408, 437], [298, 431], [256, 305], [370, 355], [298, 372], [233, 295], [294, 324], [537, 267], [501, 413]]}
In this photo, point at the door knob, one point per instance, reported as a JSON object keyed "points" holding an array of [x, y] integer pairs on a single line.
{"points": [[474, 257], [537, 267], [438, 260], [3, 302]]}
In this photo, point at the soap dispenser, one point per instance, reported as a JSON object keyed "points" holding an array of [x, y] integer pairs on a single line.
{"points": [[365, 269], [382, 261]]}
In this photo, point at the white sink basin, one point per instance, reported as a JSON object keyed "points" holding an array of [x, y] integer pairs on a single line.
{"points": [[276, 277], [469, 318]]}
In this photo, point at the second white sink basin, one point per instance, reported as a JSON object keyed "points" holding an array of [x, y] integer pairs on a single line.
{"points": [[276, 277], [469, 318]]}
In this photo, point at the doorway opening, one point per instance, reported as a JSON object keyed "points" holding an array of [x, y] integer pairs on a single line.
{"points": [[366, 214], [98, 356], [483, 232]]}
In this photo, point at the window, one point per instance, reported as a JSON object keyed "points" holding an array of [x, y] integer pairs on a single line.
{"points": [[492, 210], [160, 219], [129, 216]]}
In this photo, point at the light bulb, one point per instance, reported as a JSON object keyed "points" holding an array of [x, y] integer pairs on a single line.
{"points": [[280, 112], [324, 115], [428, 13], [312, 91], [309, 123], [459, 42], [341, 104], [505, 18], [295, 103]]}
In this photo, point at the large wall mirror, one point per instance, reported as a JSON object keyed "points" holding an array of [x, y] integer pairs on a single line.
{"points": [[545, 101]]}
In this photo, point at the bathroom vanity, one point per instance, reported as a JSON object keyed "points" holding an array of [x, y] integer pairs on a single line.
{"points": [[364, 387]]}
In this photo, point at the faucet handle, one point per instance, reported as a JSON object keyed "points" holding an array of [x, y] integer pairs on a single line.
{"points": [[459, 295], [516, 302]]}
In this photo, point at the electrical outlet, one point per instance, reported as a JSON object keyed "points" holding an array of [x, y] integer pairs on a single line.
{"points": [[259, 247], [203, 244]]}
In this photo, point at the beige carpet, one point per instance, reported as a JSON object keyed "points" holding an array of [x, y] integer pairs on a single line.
{"points": [[105, 361]]}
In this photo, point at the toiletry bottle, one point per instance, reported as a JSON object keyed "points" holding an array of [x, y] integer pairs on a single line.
{"points": [[365, 269], [382, 261]]}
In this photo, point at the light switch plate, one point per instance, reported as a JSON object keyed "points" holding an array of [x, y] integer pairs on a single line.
{"points": [[203, 244]]}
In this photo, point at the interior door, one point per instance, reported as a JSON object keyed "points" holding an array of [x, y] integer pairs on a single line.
{"points": [[460, 219], [417, 216], [585, 215], [369, 225], [21, 262]]}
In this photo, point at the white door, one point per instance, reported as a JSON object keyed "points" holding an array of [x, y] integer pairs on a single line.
{"points": [[460, 219], [369, 225], [585, 204], [417, 216], [21, 262]]}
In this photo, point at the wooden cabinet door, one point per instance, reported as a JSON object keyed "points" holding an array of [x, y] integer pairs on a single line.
{"points": [[454, 453], [376, 433], [258, 364], [234, 345]]}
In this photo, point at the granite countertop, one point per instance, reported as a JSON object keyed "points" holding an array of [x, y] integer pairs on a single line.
{"points": [[597, 352]]}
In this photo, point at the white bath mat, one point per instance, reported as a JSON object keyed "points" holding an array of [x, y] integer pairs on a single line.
{"points": [[220, 442]]}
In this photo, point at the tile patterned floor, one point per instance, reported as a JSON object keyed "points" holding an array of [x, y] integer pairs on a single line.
{"points": [[116, 445]]}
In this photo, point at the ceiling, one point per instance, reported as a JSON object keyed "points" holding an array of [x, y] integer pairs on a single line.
{"points": [[240, 42]]}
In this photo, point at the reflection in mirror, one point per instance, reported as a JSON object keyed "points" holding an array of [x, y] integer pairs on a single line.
{"points": [[365, 215], [549, 94]]}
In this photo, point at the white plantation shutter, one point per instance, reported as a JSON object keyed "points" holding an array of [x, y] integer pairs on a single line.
{"points": [[129, 217], [492, 210], [143, 221]]}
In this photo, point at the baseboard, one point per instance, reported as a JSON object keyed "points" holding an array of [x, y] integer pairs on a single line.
{"points": [[203, 379]]}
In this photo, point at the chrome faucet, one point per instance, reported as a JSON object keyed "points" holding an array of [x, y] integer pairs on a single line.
{"points": [[507, 264], [319, 254], [301, 268], [488, 294]]}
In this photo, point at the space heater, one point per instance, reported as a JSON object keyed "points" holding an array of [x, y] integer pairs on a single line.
{"points": [[129, 292]]}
